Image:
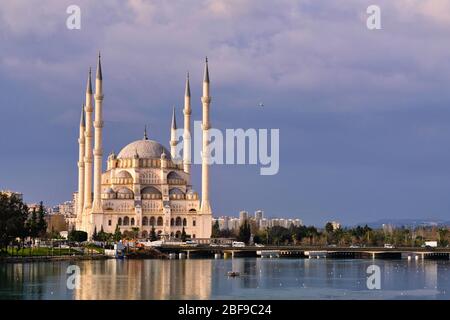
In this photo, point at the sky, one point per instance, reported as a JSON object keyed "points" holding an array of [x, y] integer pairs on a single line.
{"points": [[363, 114]]}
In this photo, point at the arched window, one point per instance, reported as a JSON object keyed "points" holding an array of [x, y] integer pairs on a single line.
{"points": [[160, 221], [184, 222], [144, 234], [171, 234], [119, 222], [145, 221], [192, 211], [132, 221], [193, 223], [172, 222], [178, 234], [178, 222], [152, 221], [126, 221]]}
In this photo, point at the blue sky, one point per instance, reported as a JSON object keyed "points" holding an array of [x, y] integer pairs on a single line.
{"points": [[363, 115]]}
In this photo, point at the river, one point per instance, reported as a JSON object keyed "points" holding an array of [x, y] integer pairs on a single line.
{"points": [[207, 279]]}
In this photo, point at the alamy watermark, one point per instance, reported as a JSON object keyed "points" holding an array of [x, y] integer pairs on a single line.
{"points": [[373, 21], [73, 281], [374, 278], [73, 21], [235, 146]]}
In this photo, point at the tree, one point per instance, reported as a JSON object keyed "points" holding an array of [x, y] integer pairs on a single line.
{"points": [[244, 232], [215, 230], [442, 233], [117, 234], [183, 235], [13, 216], [41, 224], [135, 232], [94, 235], [312, 233], [104, 236], [77, 236], [153, 236], [32, 225], [329, 227]]}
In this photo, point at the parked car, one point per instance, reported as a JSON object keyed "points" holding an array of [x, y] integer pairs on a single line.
{"points": [[355, 246], [192, 243], [389, 246], [431, 244], [259, 245], [238, 244]]}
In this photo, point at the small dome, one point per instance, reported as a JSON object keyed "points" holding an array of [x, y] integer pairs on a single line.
{"points": [[109, 191], [124, 174], [175, 191], [150, 190], [173, 175], [124, 191], [146, 149]]}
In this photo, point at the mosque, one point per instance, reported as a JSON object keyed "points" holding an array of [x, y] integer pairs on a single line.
{"points": [[144, 186]]}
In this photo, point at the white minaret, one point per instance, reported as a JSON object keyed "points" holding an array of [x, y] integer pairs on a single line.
{"points": [[81, 143], [187, 130], [88, 146], [98, 151], [173, 136], [206, 125]]}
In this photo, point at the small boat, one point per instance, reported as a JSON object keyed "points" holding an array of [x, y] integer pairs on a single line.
{"points": [[233, 274]]}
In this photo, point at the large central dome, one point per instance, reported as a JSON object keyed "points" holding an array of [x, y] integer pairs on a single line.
{"points": [[146, 149]]}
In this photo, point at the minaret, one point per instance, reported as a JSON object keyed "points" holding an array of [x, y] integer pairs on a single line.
{"points": [[173, 136], [98, 151], [206, 125], [187, 130], [88, 146], [81, 143]]}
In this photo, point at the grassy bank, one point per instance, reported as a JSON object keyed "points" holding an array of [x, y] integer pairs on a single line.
{"points": [[31, 252]]}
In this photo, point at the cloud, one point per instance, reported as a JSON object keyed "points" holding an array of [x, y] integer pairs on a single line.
{"points": [[313, 63]]}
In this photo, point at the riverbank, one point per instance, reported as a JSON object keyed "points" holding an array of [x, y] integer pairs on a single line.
{"points": [[10, 259]]}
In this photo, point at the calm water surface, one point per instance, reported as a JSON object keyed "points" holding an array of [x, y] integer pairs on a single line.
{"points": [[207, 279]]}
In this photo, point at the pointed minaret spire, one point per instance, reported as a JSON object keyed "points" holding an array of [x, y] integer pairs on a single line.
{"points": [[99, 68], [98, 143], [206, 74], [145, 133], [173, 136], [187, 132], [81, 165], [89, 83], [187, 92], [174, 120], [82, 119], [87, 202], [205, 206]]}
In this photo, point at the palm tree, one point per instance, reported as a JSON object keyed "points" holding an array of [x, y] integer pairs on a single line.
{"points": [[442, 232]]}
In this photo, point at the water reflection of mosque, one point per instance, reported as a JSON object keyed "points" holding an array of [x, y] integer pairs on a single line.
{"points": [[145, 279]]}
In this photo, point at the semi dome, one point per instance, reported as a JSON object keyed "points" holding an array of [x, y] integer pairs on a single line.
{"points": [[125, 191], [109, 191], [146, 149], [124, 174], [150, 190]]}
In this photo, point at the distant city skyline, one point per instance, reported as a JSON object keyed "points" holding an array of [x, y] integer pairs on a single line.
{"points": [[363, 114]]}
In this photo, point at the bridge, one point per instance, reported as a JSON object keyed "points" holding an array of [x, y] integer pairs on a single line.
{"points": [[314, 252]]}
